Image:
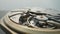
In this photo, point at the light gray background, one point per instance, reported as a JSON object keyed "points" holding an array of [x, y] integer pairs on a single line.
{"points": [[14, 4]]}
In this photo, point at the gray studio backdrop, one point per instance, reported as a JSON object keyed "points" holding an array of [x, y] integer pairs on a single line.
{"points": [[14, 4]]}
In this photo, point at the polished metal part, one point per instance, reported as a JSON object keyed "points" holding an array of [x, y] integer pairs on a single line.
{"points": [[11, 22]]}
